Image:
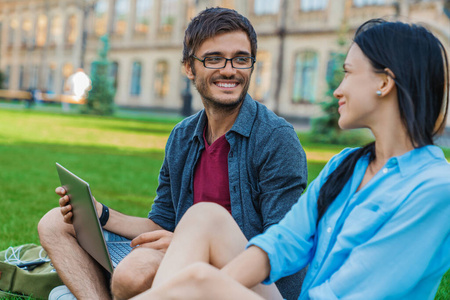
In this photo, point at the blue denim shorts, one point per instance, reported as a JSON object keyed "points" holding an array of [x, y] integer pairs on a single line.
{"points": [[112, 237]]}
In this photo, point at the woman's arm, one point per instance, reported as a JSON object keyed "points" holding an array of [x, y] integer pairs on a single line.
{"points": [[249, 268]]}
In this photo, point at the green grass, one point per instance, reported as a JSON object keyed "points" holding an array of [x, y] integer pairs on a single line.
{"points": [[119, 157]]}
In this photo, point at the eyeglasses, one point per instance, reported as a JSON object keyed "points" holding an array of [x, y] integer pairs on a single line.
{"points": [[217, 62]]}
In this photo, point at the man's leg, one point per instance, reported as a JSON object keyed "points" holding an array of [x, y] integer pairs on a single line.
{"points": [[76, 268], [206, 233], [135, 272]]}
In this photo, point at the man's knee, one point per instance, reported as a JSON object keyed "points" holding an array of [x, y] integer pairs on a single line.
{"points": [[135, 273], [50, 225]]}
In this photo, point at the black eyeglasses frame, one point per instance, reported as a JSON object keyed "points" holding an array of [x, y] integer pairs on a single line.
{"points": [[226, 61]]}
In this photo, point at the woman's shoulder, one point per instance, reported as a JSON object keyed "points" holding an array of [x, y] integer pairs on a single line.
{"points": [[338, 158]]}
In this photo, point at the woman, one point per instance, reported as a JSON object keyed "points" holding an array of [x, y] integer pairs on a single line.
{"points": [[375, 223]]}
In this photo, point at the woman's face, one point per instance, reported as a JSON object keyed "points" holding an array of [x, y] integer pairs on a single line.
{"points": [[357, 96]]}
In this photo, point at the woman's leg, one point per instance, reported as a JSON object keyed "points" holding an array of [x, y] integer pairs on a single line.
{"points": [[206, 233], [200, 281]]}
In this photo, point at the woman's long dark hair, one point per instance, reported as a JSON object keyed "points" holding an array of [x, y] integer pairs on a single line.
{"points": [[420, 67]]}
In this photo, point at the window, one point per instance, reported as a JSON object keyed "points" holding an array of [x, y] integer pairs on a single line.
{"points": [[21, 78], [360, 3], [312, 5], [100, 25], [229, 4], [41, 31], [113, 70], [71, 30], [260, 87], [7, 74], [121, 17], [305, 75], [27, 38], [136, 79], [143, 14], [56, 30], [12, 31], [266, 7], [66, 71], [167, 14], [51, 78], [34, 71], [161, 83]]}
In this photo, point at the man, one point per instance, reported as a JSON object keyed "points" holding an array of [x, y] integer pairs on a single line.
{"points": [[235, 152]]}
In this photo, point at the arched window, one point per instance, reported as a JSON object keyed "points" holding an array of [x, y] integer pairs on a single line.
{"points": [[27, 38], [305, 77], [121, 16], [71, 30], [135, 89], [311, 5], [266, 7], [167, 14], [228, 4], [101, 9], [143, 16], [260, 87], [56, 30], [360, 3], [161, 82], [12, 31], [41, 31]]}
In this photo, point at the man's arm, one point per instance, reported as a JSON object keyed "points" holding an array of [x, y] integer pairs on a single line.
{"points": [[128, 226], [116, 222], [163, 211]]}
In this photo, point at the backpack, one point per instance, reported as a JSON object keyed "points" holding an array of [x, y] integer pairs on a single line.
{"points": [[26, 270]]}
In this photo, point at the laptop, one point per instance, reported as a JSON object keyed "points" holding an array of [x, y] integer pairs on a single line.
{"points": [[87, 225]]}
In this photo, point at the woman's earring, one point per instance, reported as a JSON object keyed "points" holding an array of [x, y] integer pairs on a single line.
{"points": [[378, 93]]}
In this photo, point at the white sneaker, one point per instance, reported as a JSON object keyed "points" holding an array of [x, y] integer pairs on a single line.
{"points": [[61, 293]]}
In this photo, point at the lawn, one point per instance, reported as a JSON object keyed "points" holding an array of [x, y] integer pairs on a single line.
{"points": [[119, 157]]}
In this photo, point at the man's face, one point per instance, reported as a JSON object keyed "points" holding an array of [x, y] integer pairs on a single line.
{"points": [[222, 88]]}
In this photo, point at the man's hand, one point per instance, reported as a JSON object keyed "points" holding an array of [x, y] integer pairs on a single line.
{"points": [[158, 240], [66, 207]]}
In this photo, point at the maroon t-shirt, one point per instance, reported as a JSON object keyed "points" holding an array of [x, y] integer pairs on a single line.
{"points": [[211, 174]]}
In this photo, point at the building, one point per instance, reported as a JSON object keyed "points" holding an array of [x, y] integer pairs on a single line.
{"points": [[42, 42]]}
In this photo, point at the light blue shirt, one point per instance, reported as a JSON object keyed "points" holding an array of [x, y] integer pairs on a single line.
{"points": [[389, 240]]}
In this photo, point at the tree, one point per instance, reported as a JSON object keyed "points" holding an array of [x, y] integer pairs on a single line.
{"points": [[325, 129], [100, 100]]}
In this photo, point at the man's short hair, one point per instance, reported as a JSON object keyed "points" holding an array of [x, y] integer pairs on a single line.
{"points": [[211, 22]]}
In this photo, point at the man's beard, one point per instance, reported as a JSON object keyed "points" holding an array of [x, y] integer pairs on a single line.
{"points": [[202, 88]]}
